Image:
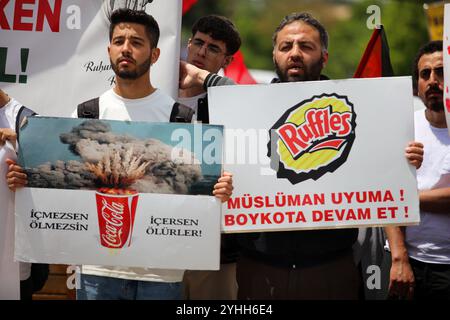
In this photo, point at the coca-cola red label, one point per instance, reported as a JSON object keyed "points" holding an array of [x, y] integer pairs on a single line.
{"points": [[116, 219]]}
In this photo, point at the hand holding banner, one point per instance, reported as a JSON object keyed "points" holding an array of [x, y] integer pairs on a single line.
{"points": [[122, 188], [318, 155]]}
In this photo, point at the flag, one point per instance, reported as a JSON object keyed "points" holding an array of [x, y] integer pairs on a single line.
{"points": [[375, 61], [187, 4], [237, 70]]}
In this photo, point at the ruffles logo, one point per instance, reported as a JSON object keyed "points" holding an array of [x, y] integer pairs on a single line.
{"points": [[312, 138]]}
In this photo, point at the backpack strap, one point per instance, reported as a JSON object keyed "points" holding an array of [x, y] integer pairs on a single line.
{"points": [[181, 113], [203, 113], [89, 109], [23, 113]]}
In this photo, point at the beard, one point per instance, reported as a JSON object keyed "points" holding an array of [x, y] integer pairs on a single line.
{"points": [[140, 70], [435, 105], [311, 72]]}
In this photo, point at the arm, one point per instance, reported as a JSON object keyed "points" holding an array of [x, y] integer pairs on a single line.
{"points": [[191, 76], [16, 176], [4, 99], [7, 134], [214, 80], [223, 189], [401, 280], [414, 153], [435, 201]]}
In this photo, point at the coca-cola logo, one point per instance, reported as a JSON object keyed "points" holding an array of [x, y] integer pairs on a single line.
{"points": [[312, 138], [112, 214]]}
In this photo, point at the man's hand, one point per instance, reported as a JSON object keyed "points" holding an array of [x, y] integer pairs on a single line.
{"points": [[401, 282], [414, 153], [16, 176], [7, 134], [223, 189], [191, 76]]}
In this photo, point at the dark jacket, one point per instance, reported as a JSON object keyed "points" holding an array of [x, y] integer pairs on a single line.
{"points": [[212, 80], [229, 249], [297, 248]]}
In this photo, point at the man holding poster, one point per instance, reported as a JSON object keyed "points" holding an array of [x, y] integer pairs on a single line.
{"points": [[305, 264], [214, 41], [428, 244], [9, 276], [32, 276], [133, 49], [300, 53]]}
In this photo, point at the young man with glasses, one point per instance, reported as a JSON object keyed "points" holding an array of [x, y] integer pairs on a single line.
{"points": [[213, 43]]}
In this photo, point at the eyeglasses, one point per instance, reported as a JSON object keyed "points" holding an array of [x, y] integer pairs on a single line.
{"points": [[211, 49]]}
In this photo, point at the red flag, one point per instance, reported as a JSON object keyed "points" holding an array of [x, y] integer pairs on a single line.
{"points": [[187, 4], [375, 61], [237, 70]]}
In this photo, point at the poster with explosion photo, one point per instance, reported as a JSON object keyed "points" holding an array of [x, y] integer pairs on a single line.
{"points": [[119, 193], [318, 155]]}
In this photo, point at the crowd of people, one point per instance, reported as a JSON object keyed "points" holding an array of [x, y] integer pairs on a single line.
{"points": [[268, 265]]}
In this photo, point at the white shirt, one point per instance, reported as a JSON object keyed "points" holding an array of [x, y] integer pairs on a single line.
{"points": [[153, 108], [430, 241], [10, 271], [192, 102]]}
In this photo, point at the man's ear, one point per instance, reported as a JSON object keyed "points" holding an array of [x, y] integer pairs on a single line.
{"points": [[227, 61], [324, 59], [155, 55]]}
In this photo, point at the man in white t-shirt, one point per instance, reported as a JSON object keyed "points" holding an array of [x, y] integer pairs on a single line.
{"points": [[10, 271], [428, 243], [133, 49], [214, 41]]}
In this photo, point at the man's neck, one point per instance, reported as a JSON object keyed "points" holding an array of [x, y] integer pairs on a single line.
{"points": [[134, 88], [436, 119]]}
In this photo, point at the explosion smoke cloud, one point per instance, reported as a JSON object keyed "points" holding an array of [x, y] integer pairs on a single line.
{"points": [[94, 142]]}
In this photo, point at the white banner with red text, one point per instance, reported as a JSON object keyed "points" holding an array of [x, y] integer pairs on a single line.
{"points": [[318, 155], [119, 193], [140, 230], [53, 53]]}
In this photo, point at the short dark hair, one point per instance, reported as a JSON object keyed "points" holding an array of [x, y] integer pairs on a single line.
{"points": [[428, 48], [139, 17], [219, 28], [306, 18]]}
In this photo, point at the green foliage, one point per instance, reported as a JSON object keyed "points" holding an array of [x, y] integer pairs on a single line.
{"points": [[404, 22], [405, 27]]}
